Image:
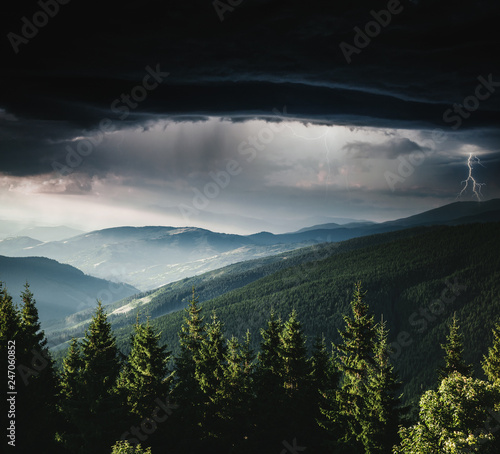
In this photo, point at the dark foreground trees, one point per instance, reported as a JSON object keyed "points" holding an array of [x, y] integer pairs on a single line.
{"points": [[32, 377], [89, 400], [219, 396], [362, 414]]}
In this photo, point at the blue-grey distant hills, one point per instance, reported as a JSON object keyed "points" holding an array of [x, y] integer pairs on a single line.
{"points": [[453, 214], [10, 228], [149, 257], [60, 290], [43, 233]]}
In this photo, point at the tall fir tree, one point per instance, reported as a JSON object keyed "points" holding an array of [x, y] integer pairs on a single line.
{"points": [[323, 382], [145, 376], [210, 377], [295, 380], [38, 385], [270, 412], [237, 394], [294, 356], [383, 401], [97, 410], [491, 363], [10, 341], [323, 375], [71, 380], [10, 323], [191, 336], [10, 327], [454, 353], [72, 398], [347, 414], [186, 392], [144, 384]]}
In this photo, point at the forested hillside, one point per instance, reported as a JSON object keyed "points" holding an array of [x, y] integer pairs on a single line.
{"points": [[459, 266], [175, 296], [61, 289]]}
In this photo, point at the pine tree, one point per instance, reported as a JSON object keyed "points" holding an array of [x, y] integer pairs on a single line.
{"points": [[186, 392], [72, 398], [71, 381], [10, 322], [29, 315], [210, 376], [295, 380], [322, 371], [186, 387], [383, 401], [96, 410], [270, 411], [454, 352], [347, 413], [237, 393], [294, 356], [10, 341], [270, 358], [323, 381], [238, 396], [210, 365], [491, 363], [145, 376], [38, 385]]}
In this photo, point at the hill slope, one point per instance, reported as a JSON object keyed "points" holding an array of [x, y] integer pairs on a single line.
{"points": [[59, 289], [212, 284]]}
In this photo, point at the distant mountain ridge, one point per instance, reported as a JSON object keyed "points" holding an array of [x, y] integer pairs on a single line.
{"points": [[152, 256], [45, 234]]}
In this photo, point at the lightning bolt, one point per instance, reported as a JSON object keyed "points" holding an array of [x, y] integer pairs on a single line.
{"points": [[470, 180]]}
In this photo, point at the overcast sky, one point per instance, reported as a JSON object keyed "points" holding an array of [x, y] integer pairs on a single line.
{"points": [[265, 120]]}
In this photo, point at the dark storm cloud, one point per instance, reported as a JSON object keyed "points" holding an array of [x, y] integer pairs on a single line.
{"points": [[390, 149], [264, 55]]}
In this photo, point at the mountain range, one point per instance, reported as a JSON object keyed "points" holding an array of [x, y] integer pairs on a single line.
{"points": [[149, 257]]}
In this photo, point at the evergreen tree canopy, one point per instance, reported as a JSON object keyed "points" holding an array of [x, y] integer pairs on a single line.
{"points": [[32, 332], [186, 390], [348, 416], [294, 355], [10, 321], [269, 357], [71, 381], [100, 356], [144, 377], [37, 383], [91, 402], [383, 401], [454, 352], [322, 371]]}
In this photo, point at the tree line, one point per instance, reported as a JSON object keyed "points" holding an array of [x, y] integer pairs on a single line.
{"points": [[219, 395]]}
